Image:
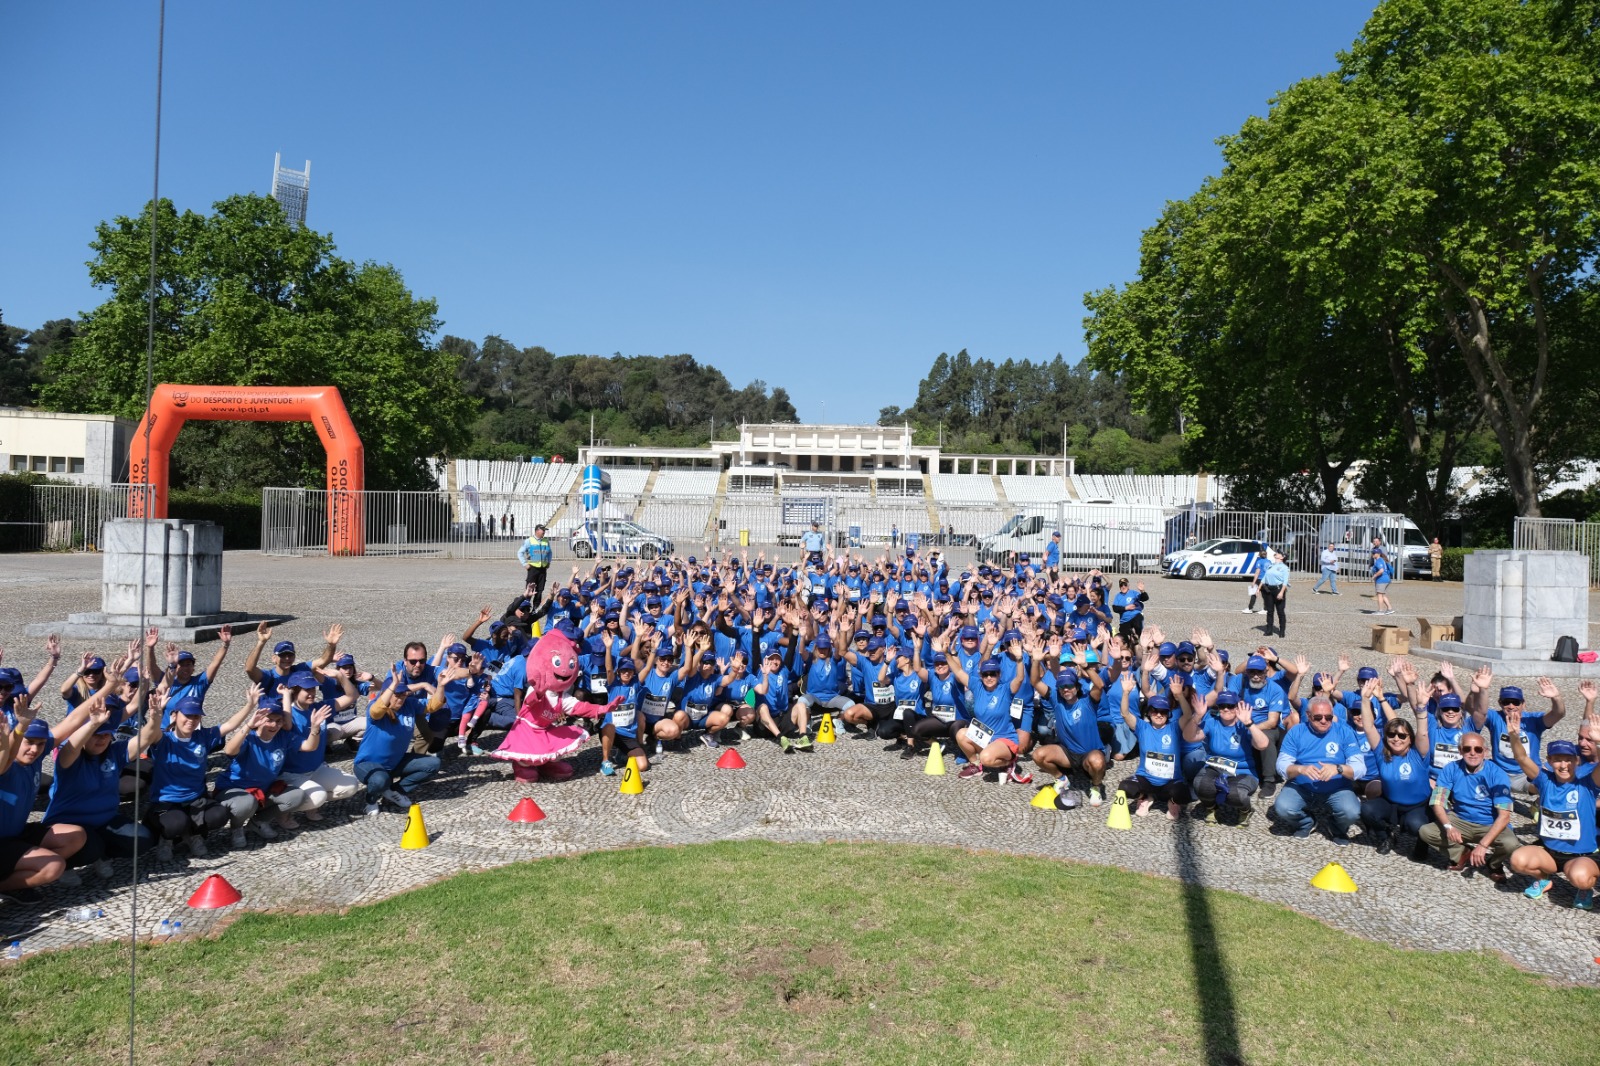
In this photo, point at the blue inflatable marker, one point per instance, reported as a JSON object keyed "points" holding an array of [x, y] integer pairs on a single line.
{"points": [[592, 486]]}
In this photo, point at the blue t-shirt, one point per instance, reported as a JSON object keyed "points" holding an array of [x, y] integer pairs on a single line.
{"points": [[625, 718], [993, 709], [178, 767], [388, 739], [1158, 752], [258, 763], [1494, 729], [1474, 796], [823, 677], [305, 762], [1077, 725], [1405, 779], [86, 793], [1228, 746], [193, 689], [1567, 814], [1264, 701], [777, 696], [1338, 746], [511, 675], [19, 787]]}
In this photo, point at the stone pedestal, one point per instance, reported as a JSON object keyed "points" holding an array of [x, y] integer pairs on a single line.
{"points": [[1517, 605], [173, 566]]}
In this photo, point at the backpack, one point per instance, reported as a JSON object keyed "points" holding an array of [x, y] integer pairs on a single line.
{"points": [[1566, 650]]}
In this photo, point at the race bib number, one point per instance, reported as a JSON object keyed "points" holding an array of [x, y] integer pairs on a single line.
{"points": [[882, 694], [877, 597], [1225, 767], [655, 706], [624, 715], [1558, 825], [1444, 755], [1016, 710], [979, 733], [1505, 747], [597, 686], [905, 709], [697, 711], [855, 595], [1159, 766], [944, 714]]}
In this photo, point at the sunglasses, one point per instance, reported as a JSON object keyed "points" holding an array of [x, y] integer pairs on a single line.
{"points": [[1511, 703], [415, 662], [1475, 749], [1321, 717], [1449, 710], [1398, 733]]}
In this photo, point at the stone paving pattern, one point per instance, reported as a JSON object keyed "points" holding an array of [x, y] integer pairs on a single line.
{"points": [[848, 791]]}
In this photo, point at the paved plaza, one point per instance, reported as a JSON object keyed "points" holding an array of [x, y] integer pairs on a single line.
{"points": [[848, 791]]}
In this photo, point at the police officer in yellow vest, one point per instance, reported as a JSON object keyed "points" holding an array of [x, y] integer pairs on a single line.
{"points": [[535, 555]]}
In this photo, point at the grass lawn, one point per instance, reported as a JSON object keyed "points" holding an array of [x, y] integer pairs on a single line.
{"points": [[757, 952]]}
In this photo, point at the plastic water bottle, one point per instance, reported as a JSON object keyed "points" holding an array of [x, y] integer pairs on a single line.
{"points": [[165, 928], [86, 914], [15, 950]]}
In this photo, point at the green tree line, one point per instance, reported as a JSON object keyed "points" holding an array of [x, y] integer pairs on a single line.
{"points": [[1396, 265], [532, 402], [1019, 406]]}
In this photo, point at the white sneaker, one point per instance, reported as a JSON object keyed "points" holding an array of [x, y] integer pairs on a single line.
{"points": [[164, 851], [1248, 610], [1261, 610], [371, 810], [101, 868], [70, 879], [197, 847], [399, 799], [263, 829], [237, 839]]}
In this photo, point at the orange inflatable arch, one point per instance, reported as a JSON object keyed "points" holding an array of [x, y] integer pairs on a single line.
{"points": [[321, 405]]}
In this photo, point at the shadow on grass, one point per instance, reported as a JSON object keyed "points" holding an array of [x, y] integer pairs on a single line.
{"points": [[1218, 1014]]}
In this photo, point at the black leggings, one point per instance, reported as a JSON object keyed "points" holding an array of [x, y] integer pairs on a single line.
{"points": [[927, 729], [1137, 788], [1272, 598], [1131, 629], [179, 821], [1234, 791]]}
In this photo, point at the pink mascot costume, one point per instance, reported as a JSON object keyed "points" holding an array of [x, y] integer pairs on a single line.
{"points": [[537, 745]]}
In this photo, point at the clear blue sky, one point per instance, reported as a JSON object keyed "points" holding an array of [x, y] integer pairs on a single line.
{"points": [[824, 196]]}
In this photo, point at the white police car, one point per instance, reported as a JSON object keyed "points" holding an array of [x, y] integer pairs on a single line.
{"points": [[1221, 557], [617, 536]]}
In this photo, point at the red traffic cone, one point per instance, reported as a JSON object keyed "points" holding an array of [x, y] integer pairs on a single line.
{"points": [[214, 892], [731, 760], [525, 811]]}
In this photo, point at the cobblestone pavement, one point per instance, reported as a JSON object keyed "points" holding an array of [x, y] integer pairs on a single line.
{"points": [[849, 791]]}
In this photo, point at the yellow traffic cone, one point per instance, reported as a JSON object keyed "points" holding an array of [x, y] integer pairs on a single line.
{"points": [[935, 764], [1118, 818], [1044, 799], [632, 784], [825, 730], [1332, 878], [416, 834]]}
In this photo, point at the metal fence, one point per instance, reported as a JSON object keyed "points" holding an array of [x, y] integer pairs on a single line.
{"points": [[69, 517], [1560, 534], [469, 524]]}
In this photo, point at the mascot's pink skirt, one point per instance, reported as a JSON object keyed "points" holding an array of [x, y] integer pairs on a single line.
{"points": [[525, 744]]}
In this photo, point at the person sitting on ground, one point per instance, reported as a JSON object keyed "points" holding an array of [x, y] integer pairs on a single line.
{"points": [[250, 787], [1157, 779], [1229, 737], [620, 725], [776, 712], [942, 705], [1399, 752], [1492, 722], [32, 855], [988, 736], [1319, 760], [86, 790], [385, 763], [183, 682], [1472, 810], [180, 806], [305, 766], [1567, 841], [283, 661], [1078, 745]]}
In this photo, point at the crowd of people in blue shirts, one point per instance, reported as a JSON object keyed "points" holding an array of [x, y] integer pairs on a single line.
{"points": [[1010, 670]]}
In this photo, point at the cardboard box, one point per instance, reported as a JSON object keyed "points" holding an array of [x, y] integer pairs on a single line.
{"points": [[1429, 632], [1391, 640]]}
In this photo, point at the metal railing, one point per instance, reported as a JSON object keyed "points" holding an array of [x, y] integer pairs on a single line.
{"points": [[1560, 534], [69, 517], [1121, 538]]}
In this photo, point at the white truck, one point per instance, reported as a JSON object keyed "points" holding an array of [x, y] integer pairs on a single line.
{"points": [[1117, 538]]}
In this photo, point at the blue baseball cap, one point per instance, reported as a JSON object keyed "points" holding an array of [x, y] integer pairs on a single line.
{"points": [[186, 656], [1068, 679], [874, 644], [300, 679], [457, 648], [1167, 648], [131, 675], [1158, 702], [1185, 648], [940, 657], [1255, 662], [495, 627], [1367, 673], [989, 666], [1511, 692], [1551, 750], [625, 663], [823, 643], [94, 664], [1227, 698], [1449, 701], [189, 706], [345, 660], [969, 633], [283, 647]]}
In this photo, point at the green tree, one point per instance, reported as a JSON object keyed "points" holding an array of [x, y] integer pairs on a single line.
{"points": [[243, 298], [18, 373]]}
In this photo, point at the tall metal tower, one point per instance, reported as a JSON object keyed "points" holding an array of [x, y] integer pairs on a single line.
{"points": [[291, 188]]}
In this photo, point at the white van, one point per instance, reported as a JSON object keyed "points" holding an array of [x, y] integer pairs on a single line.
{"points": [[1117, 538], [1351, 536]]}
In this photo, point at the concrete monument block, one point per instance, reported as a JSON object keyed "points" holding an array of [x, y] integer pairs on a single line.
{"points": [[1516, 605]]}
